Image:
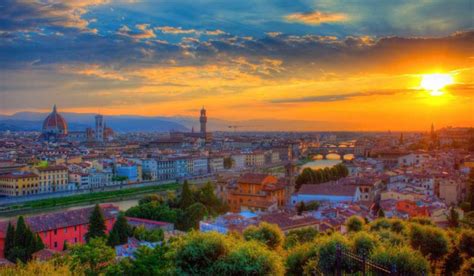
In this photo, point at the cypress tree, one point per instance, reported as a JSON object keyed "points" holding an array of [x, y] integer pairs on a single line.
{"points": [[97, 226], [9, 241], [21, 237], [120, 232], [187, 198], [380, 213]]}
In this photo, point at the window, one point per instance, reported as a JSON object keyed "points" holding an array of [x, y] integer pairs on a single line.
{"points": [[55, 231], [56, 244], [75, 228], [75, 240]]}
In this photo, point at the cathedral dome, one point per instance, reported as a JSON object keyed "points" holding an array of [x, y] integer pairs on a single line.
{"points": [[55, 123]]}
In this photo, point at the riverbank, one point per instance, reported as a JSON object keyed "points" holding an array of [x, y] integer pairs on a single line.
{"points": [[52, 204]]}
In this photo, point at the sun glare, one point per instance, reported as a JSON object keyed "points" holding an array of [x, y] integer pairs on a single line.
{"points": [[435, 82]]}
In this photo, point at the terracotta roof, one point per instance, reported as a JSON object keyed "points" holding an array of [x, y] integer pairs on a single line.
{"points": [[329, 188], [253, 178], [18, 175], [147, 223], [56, 220], [287, 221], [51, 168]]}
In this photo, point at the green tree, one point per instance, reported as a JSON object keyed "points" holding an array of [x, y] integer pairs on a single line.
{"points": [[25, 242], [354, 224], [97, 226], [466, 242], [266, 233], [228, 163], [431, 241], [300, 236], [406, 260], [120, 232], [153, 235], [208, 197], [300, 208], [468, 267], [299, 257], [250, 258], [9, 241], [453, 218], [380, 213], [91, 258], [453, 260], [192, 216], [147, 262], [187, 198], [364, 243], [327, 252], [154, 211], [197, 253], [151, 198]]}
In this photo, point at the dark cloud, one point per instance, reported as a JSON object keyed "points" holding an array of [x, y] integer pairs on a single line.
{"points": [[340, 97]]}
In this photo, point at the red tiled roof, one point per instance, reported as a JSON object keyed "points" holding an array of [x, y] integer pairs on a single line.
{"points": [[18, 175], [253, 178], [147, 223], [287, 221], [329, 188], [57, 220], [51, 168]]}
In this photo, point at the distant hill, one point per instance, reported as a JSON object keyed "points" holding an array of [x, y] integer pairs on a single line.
{"points": [[32, 121]]}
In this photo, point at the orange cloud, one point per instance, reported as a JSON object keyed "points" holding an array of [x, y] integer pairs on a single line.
{"points": [[316, 17]]}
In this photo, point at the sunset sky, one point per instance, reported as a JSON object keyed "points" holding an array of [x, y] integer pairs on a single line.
{"points": [[340, 65]]}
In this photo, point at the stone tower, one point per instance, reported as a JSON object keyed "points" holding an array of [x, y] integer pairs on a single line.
{"points": [[99, 128], [203, 121]]}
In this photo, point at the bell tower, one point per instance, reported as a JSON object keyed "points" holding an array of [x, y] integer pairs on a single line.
{"points": [[203, 121]]}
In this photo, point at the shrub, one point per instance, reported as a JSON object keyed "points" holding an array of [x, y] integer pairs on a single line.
{"points": [[299, 257], [196, 253], [327, 252], [430, 240], [355, 224], [266, 233], [466, 242], [250, 258], [364, 243], [299, 236], [406, 260]]}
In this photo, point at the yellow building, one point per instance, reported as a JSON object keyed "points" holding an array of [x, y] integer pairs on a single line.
{"points": [[19, 183], [52, 178]]}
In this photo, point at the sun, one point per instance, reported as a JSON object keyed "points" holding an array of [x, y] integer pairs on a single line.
{"points": [[435, 82]]}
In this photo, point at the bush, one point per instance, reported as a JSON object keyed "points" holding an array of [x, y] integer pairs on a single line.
{"points": [[364, 243], [430, 240], [468, 267], [299, 236], [299, 258], [266, 233], [355, 224], [379, 224], [196, 253], [406, 260], [397, 225], [154, 211], [250, 258], [327, 252], [466, 242], [391, 238]]}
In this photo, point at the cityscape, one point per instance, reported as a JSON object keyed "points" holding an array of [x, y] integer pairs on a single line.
{"points": [[245, 138]]}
